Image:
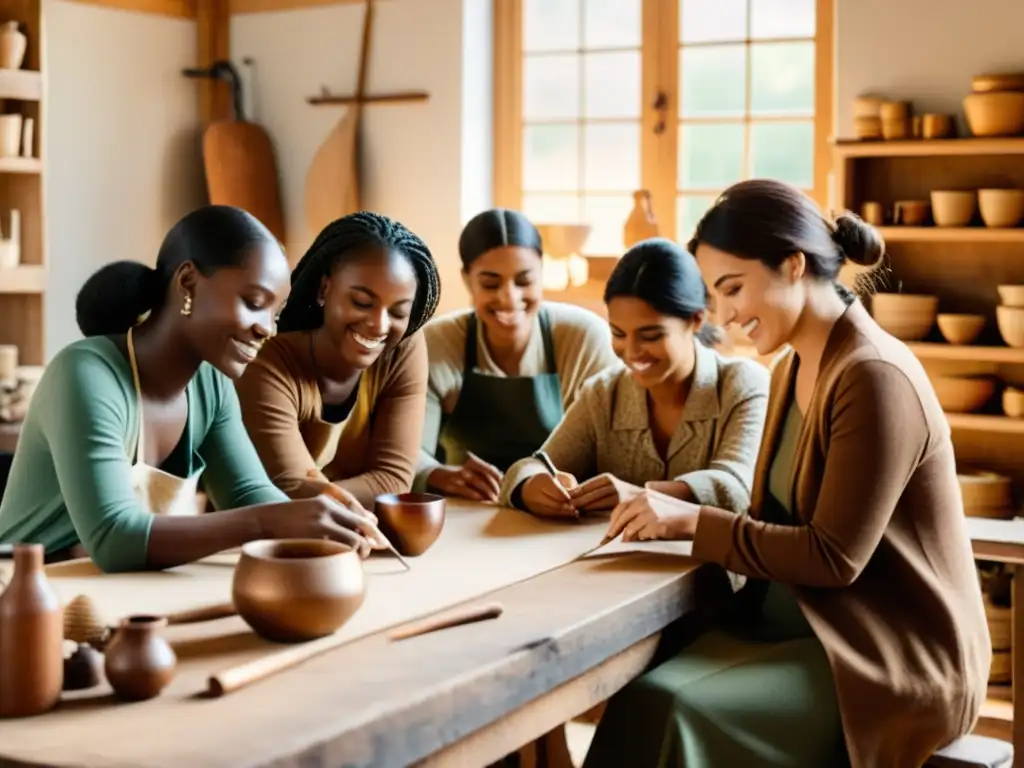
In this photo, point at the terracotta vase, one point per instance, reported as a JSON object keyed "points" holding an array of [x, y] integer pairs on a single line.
{"points": [[139, 663], [31, 638], [291, 590], [12, 46], [411, 521]]}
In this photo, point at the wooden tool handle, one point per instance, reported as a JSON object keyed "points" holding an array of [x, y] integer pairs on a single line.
{"points": [[466, 615], [244, 674], [208, 613]]}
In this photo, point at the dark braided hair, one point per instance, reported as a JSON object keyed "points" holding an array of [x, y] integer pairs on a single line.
{"points": [[343, 239]]}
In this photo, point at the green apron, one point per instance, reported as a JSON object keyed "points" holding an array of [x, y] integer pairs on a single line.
{"points": [[503, 419]]}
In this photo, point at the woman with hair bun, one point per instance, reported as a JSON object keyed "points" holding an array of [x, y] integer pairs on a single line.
{"points": [[124, 422], [503, 373], [860, 636], [676, 415]]}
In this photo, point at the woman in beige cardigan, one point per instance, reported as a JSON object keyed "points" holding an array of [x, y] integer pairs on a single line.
{"points": [[676, 414], [863, 637]]}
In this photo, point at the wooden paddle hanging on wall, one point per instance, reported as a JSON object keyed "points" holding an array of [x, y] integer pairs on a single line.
{"points": [[241, 168], [332, 182]]}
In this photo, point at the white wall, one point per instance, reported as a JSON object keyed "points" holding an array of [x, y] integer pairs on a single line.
{"points": [[424, 164], [121, 144], [922, 50]]}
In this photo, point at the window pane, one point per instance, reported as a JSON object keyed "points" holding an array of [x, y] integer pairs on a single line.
{"points": [[782, 79], [551, 157], [702, 21], [607, 215], [551, 87], [612, 85], [611, 156], [781, 18], [689, 209], [611, 23], [552, 209], [710, 156], [783, 151], [551, 25], [713, 81]]}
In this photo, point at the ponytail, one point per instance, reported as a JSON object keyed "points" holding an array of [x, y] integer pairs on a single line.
{"points": [[115, 297]]}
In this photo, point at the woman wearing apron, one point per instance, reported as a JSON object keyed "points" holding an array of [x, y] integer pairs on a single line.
{"points": [[860, 637], [676, 412], [124, 422], [501, 373], [335, 402]]}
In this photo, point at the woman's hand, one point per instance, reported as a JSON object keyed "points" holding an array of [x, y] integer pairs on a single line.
{"points": [[475, 479], [320, 517], [547, 496], [603, 492], [653, 515]]}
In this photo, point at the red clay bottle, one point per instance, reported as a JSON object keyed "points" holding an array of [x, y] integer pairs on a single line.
{"points": [[31, 638]]}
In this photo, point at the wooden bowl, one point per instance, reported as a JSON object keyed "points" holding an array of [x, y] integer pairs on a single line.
{"points": [[1011, 325], [963, 394], [960, 329], [290, 590], [953, 207], [1001, 207], [995, 113], [1013, 402], [1011, 295], [906, 316], [411, 521]]}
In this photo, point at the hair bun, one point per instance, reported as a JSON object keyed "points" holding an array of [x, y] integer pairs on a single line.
{"points": [[860, 242]]}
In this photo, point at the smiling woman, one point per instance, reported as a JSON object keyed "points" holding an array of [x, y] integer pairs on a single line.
{"points": [[335, 401], [124, 422]]}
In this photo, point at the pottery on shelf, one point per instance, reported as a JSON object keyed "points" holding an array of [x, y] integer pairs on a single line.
{"points": [[411, 521], [12, 45], [31, 638], [139, 662], [641, 224], [290, 590]]}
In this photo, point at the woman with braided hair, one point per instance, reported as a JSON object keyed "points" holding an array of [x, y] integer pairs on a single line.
{"points": [[336, 400], [124, 422]]}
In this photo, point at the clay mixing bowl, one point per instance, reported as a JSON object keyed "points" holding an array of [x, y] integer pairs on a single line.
{"points": [[411, 521], [290, 590]]}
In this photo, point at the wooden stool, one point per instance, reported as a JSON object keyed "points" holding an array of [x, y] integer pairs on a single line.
{"points": [[973, 751]]}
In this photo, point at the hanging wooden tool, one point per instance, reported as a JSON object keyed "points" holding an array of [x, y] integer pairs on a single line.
{"points": [[241, 168], [332, 182]]}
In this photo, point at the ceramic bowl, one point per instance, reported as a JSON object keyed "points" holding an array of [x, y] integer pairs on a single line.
{"points": [[1013, 402], [290, 590], [1011, 295], [411, 521], [953, 207], [995, 113], [906, 316], [1001, 207], [1011, 325], [960, 329], [963, 394]]}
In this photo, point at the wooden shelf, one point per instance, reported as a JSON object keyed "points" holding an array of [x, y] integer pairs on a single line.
{"points": [[21, 84], [27, 278], [952, 234], [967, 353], [1012, 145], [1002, 425], [21, 165]]}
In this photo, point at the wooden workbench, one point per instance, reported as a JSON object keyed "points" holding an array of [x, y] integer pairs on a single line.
{"points": [[466, 696]]}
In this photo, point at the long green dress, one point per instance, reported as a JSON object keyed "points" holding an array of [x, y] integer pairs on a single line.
{"points": [[756, 692]]}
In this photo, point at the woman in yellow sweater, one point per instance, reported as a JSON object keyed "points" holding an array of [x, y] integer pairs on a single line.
{"points": [[336, 400]]}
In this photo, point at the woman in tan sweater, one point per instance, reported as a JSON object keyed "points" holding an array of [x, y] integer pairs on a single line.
{"points": [[862, 636], [335, 400], [675, 413]]}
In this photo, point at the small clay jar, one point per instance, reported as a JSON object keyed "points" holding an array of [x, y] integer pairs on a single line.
{"points": [[139, 663]]}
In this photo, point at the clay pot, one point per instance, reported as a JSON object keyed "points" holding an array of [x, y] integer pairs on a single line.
{"points": [[963, 394], [1011, 325], [960, 329], [83, 669], [953, 207], [12, 46], [412, 521], [139, 662], [906, 316], [292, 590], [31, 638]]}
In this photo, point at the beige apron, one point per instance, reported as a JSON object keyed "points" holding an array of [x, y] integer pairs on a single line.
{"points": [[159, 492]]}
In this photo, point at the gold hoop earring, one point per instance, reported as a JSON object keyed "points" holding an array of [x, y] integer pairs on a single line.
{"points": [[186, 308]]}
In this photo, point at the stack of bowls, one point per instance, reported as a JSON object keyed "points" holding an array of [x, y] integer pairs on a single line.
{"points": [[996, 106], [1010, 314]]}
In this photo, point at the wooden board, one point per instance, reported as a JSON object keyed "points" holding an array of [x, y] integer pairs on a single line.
{"points": [[374, 702]]}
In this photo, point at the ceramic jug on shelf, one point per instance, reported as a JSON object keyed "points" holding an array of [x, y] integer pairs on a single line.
{"points": [[641, 223], [12, 45]]}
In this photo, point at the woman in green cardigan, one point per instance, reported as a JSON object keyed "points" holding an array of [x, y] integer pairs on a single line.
{"points": [[124, 422]]}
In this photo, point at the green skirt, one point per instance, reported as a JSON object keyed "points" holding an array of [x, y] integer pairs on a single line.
{"points": [[751, 694]]}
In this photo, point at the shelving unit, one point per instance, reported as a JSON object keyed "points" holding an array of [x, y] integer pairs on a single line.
{"points": [[22, 288]]}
